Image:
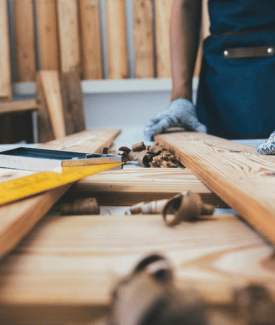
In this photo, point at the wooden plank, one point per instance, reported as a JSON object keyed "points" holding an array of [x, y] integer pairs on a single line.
{"points": [[68, 27], [241, 177], [163, 14], [116, 39], [17, 219], [71, 263], [51, 122], [204, 34], [5, 75], [143, 38], [72, 102], [18, 106], [133, 185], [91, 39], [24, 37], [46, 13]]}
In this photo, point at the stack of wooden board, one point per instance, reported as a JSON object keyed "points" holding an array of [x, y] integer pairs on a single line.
{"points": [[63, 271], [18, 218]]}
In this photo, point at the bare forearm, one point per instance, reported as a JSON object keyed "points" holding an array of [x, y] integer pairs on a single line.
{"points": [[184, 39]]}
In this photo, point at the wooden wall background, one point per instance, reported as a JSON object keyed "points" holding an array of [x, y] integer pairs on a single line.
{"points": [[68, 35]]}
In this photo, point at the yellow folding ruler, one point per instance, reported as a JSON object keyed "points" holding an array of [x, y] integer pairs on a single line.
{"points": [[36, 183], [72, 167]]}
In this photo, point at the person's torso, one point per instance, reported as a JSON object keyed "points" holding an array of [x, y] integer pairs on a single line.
{"points": [[227, 16], [236, 96]]}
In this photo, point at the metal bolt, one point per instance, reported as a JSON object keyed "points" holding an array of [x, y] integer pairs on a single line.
{"points": [[270, 50], [225, 53]]}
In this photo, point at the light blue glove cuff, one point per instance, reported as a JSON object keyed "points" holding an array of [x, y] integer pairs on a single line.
{"points": [[181, 112]]}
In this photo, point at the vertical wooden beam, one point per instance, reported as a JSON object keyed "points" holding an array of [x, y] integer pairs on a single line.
{"points": [[204, 33], [46, 13], [68, 35], [72, 102], [116, 39], [24, 37], [5, 72], [143, 38], [51, 122], [91, 39], [163, 14]]}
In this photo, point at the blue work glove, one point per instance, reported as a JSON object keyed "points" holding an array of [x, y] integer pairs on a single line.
{"points": [[180, 113], [268, 147]]}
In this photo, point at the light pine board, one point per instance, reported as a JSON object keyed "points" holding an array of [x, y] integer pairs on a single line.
{"points": [[18, 106], [163, 14], [24, 37], [91, 39], [51, 121], [72, 102], [204, 33], [68, 28], [67, 266], [133, 185], [5, 75], [46, 12], [17, 219], [116, 39], [241, 177], [143, 38]]}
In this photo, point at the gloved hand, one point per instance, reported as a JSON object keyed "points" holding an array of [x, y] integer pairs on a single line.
{"points": [[268, 147], [181, 112]]}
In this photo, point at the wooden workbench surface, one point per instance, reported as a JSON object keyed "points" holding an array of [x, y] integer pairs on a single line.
{"points": [[65, 268]]}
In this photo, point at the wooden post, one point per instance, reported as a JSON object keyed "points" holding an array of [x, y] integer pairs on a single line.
{"points": [[68, 35], [51, 123], [163, 14], [143, 38], [91, 39], [116, 39], [24, 36], [46, 13], [204, 33], [72, 102], [5, 73]]}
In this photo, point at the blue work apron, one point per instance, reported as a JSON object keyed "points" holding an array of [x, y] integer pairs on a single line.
{"points": [[236, 95]]}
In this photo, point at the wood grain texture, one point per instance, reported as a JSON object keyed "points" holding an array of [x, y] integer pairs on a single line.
{"points": [[17, 219], [68, 27], [46, 13], [116, 39], [24, 36], [74, 261], [133, 185], [205, 25], [241, 177], [51, 121], [91, 39], [5, 75], [163, 14], [143, 38], [72, 102], [18, 106], [45, 130]]}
